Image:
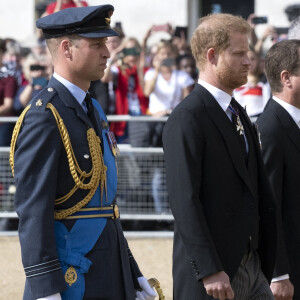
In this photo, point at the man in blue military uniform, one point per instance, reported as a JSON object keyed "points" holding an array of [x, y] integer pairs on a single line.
{"points": [[63, 160]]}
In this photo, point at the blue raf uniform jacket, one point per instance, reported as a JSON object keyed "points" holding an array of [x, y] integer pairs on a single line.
{"points": [[42, 174]]}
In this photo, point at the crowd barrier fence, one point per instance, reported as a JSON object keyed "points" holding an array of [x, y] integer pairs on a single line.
{"points": [[141, 194]]}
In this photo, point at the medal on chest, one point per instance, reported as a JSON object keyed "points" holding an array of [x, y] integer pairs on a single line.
{"points": [[237, 121], [112, 143], [239, 126]]}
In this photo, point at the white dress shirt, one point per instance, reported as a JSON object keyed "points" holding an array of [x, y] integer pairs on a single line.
{"points": [[223, 100], [76, 91], [292, 110]]}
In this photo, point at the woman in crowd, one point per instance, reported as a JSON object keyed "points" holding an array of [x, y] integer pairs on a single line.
{"points": [[187, 63], [166, 87], [255, 93], [8, 87], [35, 73], [62, 4], [164, 84], [126, 68], [104, 90]]}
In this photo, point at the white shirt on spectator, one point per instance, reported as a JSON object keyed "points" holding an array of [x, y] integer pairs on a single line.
{"points": [[167, 94]]}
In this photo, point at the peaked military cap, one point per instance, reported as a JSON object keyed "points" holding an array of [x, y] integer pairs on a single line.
{"points": [[90, 22]]}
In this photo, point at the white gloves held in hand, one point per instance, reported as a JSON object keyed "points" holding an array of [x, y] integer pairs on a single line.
{"points": [[147, 292], [56, 296]]}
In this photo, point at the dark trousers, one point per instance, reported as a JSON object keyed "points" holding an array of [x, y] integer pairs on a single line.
{"points": [[249, 283]]}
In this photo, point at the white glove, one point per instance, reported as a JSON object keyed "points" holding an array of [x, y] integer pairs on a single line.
{"points": [[147, 292], [56, 296]]}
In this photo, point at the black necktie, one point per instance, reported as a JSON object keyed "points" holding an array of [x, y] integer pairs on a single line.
{"points": [[90, 112], [238, 125]]}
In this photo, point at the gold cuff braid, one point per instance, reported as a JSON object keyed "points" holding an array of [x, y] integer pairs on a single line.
{"points": [[97, 174]]}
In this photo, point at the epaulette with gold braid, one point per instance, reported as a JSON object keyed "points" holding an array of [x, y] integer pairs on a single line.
{"points": [[87, 181]]}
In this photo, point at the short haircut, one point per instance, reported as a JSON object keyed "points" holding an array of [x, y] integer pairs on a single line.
{"points": [[214, 31], [53, 43], [282, 56]]}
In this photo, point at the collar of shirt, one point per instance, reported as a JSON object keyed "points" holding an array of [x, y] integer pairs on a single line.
{"points": [[293, 111], [221, 97], [76, 91]]}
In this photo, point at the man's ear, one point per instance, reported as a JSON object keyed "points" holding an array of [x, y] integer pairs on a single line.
{"points": [[66, 48], [212, 56], [285, 77]]}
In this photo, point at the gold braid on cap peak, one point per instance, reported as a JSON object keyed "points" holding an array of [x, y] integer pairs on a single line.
{"points": [[97, 174]]}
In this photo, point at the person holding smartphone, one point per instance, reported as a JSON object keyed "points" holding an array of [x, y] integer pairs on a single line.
{"points": [[166, 87], [164, 84], [8, 87], [35, 73]]}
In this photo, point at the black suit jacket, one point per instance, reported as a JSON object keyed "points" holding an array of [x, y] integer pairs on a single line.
{"points": [[280, 138], [220, 203]]}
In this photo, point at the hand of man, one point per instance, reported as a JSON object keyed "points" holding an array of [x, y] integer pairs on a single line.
{"points": [[218, 286], [147, 292], [56, 296], [282, 290]]}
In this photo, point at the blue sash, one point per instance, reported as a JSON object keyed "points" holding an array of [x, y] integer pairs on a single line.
{"points": [[74, 245]]}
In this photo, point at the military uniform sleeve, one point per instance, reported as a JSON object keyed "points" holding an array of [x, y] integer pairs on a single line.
{"points": [[36, 173]]}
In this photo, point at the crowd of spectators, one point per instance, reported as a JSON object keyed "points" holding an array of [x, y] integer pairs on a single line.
{"points": [[140, 79]]}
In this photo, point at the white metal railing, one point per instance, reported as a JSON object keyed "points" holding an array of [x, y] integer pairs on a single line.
{"points": [[110, 118], [136, 165], [117, 118]]}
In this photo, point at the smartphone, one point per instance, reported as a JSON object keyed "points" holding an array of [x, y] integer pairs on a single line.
{"points": [[40, 81], [282, 30], [162, 27], [260, 20], [179, 29], [118, 25], [168, 62]]}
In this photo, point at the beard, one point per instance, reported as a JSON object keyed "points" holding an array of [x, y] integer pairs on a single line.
{"points": [[231, 78]]}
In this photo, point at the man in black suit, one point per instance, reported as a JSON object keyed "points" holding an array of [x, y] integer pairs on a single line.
{"points": [[225, 220], [280, 136]]}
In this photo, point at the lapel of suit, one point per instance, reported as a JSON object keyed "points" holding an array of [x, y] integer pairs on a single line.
{"points": [[69, 101], [289, 125], [252, 130], [224, 126], [253, 145]]}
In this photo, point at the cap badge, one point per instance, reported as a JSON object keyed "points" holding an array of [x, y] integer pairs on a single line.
{"points": [[39, 103], [107, 21]]}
